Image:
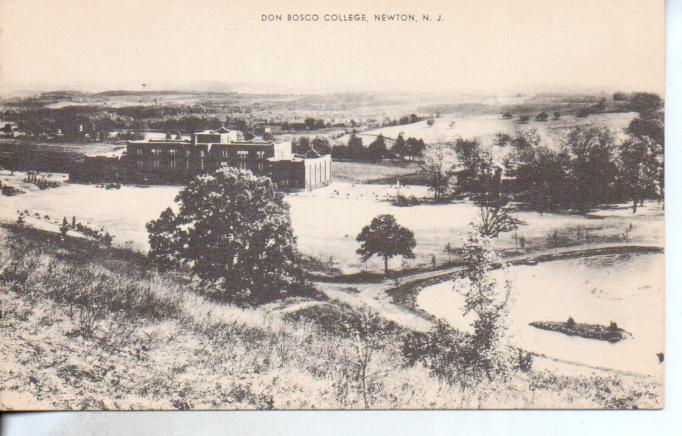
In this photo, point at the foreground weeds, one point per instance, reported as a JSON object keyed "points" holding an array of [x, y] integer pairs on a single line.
{"points": [[87, 327]]}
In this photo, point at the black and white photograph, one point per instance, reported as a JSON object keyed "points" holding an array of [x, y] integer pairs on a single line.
{"points": [[258, 205]]}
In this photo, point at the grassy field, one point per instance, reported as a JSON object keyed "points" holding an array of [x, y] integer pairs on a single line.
{"points": [[485, 127], [86, 327], [326, 221], [363, 172]]}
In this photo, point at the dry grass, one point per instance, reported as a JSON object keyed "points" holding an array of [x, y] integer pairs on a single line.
{"points": [[83, 327]]}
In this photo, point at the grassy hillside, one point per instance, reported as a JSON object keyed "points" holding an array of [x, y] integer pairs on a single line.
{"points": [[87, 327]]}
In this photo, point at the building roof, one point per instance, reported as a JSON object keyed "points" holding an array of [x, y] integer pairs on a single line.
{"points": [[214, 132]]}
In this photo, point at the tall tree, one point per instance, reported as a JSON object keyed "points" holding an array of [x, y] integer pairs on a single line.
{"points": [[482, 293], [638, 166], [649, 127], [356, 149], [496, 216], [482, 354], [321, 145], [399, 146], [414, 147], [592, 165], [377, 148], [232, 230], [384, 237], [440, 161]]}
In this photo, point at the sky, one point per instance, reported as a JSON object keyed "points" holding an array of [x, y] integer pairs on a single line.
{"points": [[479, 46]]}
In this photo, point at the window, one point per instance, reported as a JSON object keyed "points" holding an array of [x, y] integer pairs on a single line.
{"points": [[172, 152], [260, 154], [260, 166], [156, 164], [243, 154], [139, 151], [172, 163], [225, 153], [139, 163], [155, 151], [242, 165]]}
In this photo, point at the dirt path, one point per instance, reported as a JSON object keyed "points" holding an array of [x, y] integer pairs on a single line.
{"points": [[375, 297]]}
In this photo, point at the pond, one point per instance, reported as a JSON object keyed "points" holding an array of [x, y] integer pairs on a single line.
{"points": [[626, 289]]}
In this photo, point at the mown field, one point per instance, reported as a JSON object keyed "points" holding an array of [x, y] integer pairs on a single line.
{"points": [[87, 327]]}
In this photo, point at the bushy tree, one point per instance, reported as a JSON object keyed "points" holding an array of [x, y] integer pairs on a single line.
{"points": [[481, 354], [301, 145], [438, 166], [321, 145], [107, 239], [644, 102], [592, 168], [496, 216], [367, 335], [340, 151], [399, 146], [648, 126], [414, 147], [483, 295], [232, 230], [639, 167], [377, 148], [356, 149], [384, 237]]}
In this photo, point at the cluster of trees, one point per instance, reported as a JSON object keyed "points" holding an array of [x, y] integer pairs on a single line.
{"points": [[592, 167], [76, 123], [307, 124], [304, 145], [641, 102], [454, 167], [412, 148]]}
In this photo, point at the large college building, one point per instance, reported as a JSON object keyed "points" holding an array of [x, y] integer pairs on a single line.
{"points": [[177, 160]]}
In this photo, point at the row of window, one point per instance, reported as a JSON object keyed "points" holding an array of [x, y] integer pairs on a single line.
{"points": [[242, 154], [173, 164]]}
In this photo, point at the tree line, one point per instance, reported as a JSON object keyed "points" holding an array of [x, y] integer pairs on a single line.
{"points": [[592, 166], [410, 148]]}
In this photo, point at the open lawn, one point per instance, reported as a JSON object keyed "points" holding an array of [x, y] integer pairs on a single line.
{"points": [[362, 172], [326, 221]]}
